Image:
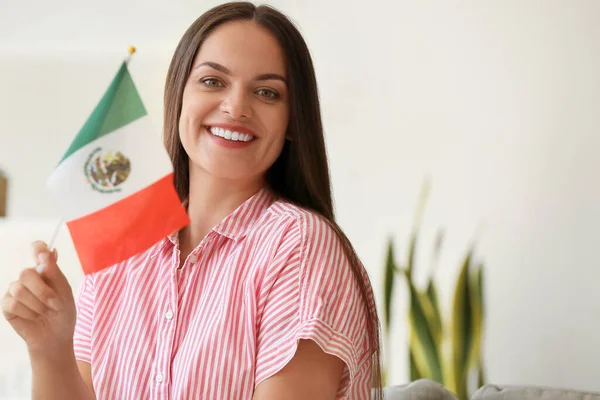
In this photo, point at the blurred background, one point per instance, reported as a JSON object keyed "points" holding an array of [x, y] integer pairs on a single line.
{"points": [[494, 102]]}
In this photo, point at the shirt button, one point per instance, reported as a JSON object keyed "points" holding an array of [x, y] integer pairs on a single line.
{"points": [[169, 315], [193, 259], [159, 378]]}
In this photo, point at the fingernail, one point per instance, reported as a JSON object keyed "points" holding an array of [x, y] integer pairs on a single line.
{"points": [[40, 268], [44, 257], [54, 304]]}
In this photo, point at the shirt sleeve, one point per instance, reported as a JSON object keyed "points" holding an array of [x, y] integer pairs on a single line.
{"points": [[310, 292], [84, 301]]}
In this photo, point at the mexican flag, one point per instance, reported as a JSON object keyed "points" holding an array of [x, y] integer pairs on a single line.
{"points": [[114, 185]]}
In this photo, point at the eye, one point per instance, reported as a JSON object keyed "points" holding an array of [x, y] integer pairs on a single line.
{"points": [[268, 93], [212, 82]]}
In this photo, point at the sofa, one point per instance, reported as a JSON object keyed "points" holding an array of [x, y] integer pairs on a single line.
{"points": [[424, 389]]}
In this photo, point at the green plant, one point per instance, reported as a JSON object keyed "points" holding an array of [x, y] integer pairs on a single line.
{"points": [[447, 351]]}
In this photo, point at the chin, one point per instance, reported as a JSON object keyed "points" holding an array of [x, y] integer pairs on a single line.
{"points": [[227, 172]]}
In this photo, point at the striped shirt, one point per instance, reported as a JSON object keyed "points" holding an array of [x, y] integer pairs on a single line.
{"points": [[269, 274]]}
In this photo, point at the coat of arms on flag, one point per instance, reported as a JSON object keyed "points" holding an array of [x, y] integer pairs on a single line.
{"points": [[106, 172], [114, 185]]}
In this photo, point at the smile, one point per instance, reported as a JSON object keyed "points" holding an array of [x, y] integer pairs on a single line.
{"points": [[230, 135]]}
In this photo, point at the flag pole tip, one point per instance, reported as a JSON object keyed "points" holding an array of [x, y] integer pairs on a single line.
{"points": [[131, 49]]}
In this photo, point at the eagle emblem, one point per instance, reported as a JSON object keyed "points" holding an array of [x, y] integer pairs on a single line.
{"points": [[106, 171]]}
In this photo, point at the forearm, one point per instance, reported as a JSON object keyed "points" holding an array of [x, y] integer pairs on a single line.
{"points": [[57, 377]]}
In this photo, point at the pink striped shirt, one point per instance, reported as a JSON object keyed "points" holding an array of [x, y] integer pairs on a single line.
{"points": [[269, 274]]}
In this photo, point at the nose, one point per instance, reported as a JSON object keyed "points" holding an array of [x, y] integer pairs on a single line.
{"points": [[237, 104]]}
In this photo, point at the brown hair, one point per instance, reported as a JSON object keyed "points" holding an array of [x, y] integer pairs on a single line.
{"points": [[301, 173]]}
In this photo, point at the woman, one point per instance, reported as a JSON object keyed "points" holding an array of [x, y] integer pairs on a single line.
{"points": [[262, 295]]}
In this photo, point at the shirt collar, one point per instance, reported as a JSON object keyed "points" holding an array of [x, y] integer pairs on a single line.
{"points": [[236, 225]]}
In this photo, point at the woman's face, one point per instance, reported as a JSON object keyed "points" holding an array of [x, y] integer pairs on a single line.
{"points": [[235, 108]]}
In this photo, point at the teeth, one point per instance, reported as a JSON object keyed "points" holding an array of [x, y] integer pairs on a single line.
{"points": [[229, 135]]}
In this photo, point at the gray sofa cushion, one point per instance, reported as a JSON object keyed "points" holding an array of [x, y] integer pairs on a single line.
{"points": [[495, 392], [422, 389]]}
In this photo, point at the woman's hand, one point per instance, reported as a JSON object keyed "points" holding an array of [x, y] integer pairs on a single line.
{"points": [[40, 306]]}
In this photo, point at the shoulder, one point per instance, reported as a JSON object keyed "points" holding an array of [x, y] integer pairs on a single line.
{"points": [[330, 298], [308, 228], [325, 258], [302, 243]]}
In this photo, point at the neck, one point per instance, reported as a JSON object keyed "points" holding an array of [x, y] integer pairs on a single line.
{"points": [[210, 200]]}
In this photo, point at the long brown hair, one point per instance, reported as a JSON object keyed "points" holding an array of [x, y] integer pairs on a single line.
{"points": [[301, 173]]}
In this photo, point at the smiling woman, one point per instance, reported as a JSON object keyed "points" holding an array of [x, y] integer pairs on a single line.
{"points": [[261, 296]]}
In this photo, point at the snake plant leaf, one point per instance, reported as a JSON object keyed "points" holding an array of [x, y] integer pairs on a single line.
{"points": [[388, 284], [476, 297], [431, 291], [423, 196], [461, 328], [434, 315], [411, 253], [422, 344], [480, 374], [414, 372]]}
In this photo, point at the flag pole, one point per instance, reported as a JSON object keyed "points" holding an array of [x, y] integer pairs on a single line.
{"points": [[54, 235], [40, 267], [131, 50]]}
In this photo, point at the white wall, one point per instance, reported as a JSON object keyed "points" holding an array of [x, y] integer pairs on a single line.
{"points": [[16, 236], [496, 101]]}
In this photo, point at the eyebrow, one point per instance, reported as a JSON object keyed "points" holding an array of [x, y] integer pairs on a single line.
{"points": [[226, 71]]}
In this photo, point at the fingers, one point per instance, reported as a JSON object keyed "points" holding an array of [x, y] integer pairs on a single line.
{"points": [[12, 308], [46, 266], [31, 283], [40, 291], [43, 261], [42, 255], [21, 294], [38, 247], [29, 297]]}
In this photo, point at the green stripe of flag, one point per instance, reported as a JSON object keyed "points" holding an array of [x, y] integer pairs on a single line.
{"points": [[120, 105]]}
